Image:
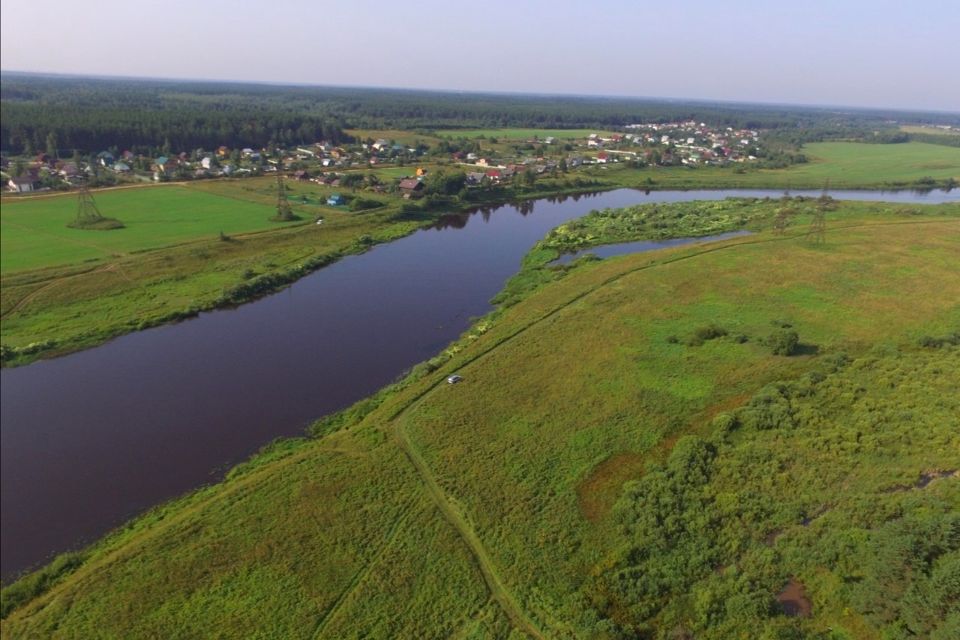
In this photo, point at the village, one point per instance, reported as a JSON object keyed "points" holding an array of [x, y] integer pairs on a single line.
{"points": [[393, 166]]}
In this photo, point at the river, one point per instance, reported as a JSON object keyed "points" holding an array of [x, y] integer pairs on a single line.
{"points": [[90, 439]]}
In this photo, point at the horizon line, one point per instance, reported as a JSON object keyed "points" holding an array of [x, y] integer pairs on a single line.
{"points": [[480, 92]]}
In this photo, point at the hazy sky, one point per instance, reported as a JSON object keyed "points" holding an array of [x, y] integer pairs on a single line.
{"points": [[878, 53]]}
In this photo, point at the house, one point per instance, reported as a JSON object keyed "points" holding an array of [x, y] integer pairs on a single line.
{"points": [[411, 186], [335, 199], [493, 174], [207, 162], [69, 170], [421, 172], [121, 167], [482, 162], [128, 156], [549, 140], [22, 184], [301, 175], [602, 157], [223, 152], [105, 158], [474, 178]]}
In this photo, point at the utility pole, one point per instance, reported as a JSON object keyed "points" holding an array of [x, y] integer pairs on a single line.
{"points": [[284, 212]]}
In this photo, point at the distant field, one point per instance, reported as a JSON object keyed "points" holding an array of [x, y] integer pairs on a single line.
{"points": [[395, 172], [35, 232], [519, 134], [933, 130], [398, 135], [846, 162]]}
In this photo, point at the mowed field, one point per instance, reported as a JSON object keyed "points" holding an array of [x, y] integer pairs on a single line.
{"points": [[501, 507], [851, 162], [35, 232]]}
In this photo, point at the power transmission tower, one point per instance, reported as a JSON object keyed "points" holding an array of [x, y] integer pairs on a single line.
{"points": [[284, 212], [89, 216], [818, 227], [87, 212]]}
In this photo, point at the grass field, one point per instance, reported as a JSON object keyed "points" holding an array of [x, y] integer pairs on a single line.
{"points": [[520, 134], [845, 165], [849, 162], [515, 503], [35, 233], [398, 135], [931, 130]]}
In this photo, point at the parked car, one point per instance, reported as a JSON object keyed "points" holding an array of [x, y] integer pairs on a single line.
{"points": [[454, 379]]}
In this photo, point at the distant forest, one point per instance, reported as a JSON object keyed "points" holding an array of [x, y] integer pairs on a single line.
{"points": [[88, 115]]}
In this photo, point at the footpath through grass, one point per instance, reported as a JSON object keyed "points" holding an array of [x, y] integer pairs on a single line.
{"points": [[623, 470]]}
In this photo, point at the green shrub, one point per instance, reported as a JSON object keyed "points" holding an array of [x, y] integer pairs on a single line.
{"points": [[784, 342], [364, 204], [936, 342], [707, 332]]}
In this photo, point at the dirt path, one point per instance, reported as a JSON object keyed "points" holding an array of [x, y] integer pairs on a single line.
{"points": [[451, 514], [10, 199], [360, 577], [58, 281]]}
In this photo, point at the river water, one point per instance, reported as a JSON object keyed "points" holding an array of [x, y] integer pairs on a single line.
{"points": [[90, 439]]}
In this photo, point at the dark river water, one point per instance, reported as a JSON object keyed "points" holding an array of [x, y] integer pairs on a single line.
{"points": [[90, 439]]}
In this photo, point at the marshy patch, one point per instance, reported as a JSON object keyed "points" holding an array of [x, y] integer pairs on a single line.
{"points": [[597, 493], [925, 479], [793, 600]]}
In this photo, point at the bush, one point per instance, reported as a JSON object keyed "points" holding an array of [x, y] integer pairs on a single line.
{"points": [[936, 342], [707, 332], [364, 204], [784, 342]]}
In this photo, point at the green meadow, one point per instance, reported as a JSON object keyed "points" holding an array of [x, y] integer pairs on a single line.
{"points": [[851, 162], [520, 134], [629, 455], [35, 232]]}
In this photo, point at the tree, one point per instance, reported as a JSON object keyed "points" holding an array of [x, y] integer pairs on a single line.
{"points": [[352, 180], [783, 342], [52, 145]]}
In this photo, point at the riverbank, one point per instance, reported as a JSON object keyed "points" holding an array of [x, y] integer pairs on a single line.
{"points": [[53, 311], [523, 489]]}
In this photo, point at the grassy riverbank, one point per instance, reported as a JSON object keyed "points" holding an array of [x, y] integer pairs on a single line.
{"points": [[619, 460], [68, 289]]}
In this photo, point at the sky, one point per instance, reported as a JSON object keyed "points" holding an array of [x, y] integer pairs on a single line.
{"points": [[860, 53]]}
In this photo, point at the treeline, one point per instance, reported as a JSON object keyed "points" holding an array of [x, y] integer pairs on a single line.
{"points": [[90, 116], [93, 114]]}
